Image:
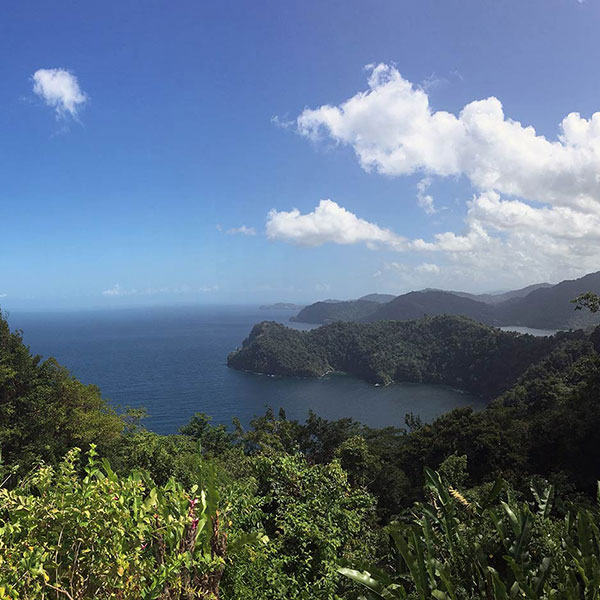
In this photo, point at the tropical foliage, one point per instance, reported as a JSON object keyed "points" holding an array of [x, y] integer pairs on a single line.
{"points": [[493, 504], [104, 536], [481, 546], [454, 351]]}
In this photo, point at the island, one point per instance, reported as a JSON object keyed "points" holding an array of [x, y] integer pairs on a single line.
{"points": [[449, 350]]}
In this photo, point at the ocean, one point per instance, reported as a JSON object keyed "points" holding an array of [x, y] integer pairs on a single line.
{"points": [[173, 362]]}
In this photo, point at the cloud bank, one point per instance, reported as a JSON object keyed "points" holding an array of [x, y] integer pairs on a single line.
{"points": [[394, 131], [59, 89], [505, 242], [535, 214]]}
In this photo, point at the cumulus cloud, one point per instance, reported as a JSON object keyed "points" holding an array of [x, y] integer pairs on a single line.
{"points": [[328, 222], [535, 214], [394, 130], [512, 242], [504, 243], [59, 89], [243, 230]]}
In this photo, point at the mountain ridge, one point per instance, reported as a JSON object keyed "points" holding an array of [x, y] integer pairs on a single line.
{"points": [[538, 306]]}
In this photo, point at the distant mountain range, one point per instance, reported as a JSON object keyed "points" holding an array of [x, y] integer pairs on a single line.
{"points": [[380, 298], [540, 306], [500, 296], [281, 306]]}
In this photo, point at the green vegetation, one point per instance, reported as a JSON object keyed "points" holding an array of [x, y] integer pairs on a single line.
{"points": [[488, 545], [105, 536], [329, 312], [449, 350], [44, 411], [489, 505], [588, 300]]}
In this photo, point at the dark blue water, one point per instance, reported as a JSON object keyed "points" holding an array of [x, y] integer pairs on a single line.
{"points": [[173, 363]]}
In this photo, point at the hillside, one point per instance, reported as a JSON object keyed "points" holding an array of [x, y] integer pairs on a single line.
{"points": [[330, 311], [448, 350], [282, 504], [551, 308], [541, 306], [415, 305], [381, 298], [502, 296]]}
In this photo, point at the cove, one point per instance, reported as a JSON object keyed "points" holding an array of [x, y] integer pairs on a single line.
{"points": [[172, 361]]}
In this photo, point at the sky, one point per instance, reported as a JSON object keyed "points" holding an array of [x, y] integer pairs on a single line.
{"points": [[242, 152]]}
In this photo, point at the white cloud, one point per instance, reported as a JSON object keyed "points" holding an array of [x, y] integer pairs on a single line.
{"points": [[558, 222], [328, 222], [3, 295], [60, 90], [505, 243], [393, 130], [428, 268], [424, 199], [243, 230], [508, 242], [282, 122], [116, 290], [536, 212]]}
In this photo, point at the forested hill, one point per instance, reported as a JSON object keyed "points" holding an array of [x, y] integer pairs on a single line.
{"points": [[328, 312], [381, 298], [455, 351], [550, 308], [502, 296], [415, 305], [540, 306]]}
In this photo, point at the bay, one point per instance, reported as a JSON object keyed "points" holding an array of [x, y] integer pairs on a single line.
{"points": [[172, 361]]}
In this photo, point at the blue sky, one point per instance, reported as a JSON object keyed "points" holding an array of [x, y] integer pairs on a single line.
{"points": [[194, 120]]}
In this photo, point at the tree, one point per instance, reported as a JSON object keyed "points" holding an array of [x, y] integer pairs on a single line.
{"points": [[213, 439], [589, 300], [44, 410], [313, 519]]}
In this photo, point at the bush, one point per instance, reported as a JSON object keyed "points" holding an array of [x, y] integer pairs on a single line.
{"points": [[104, 536], [481, 547]]}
